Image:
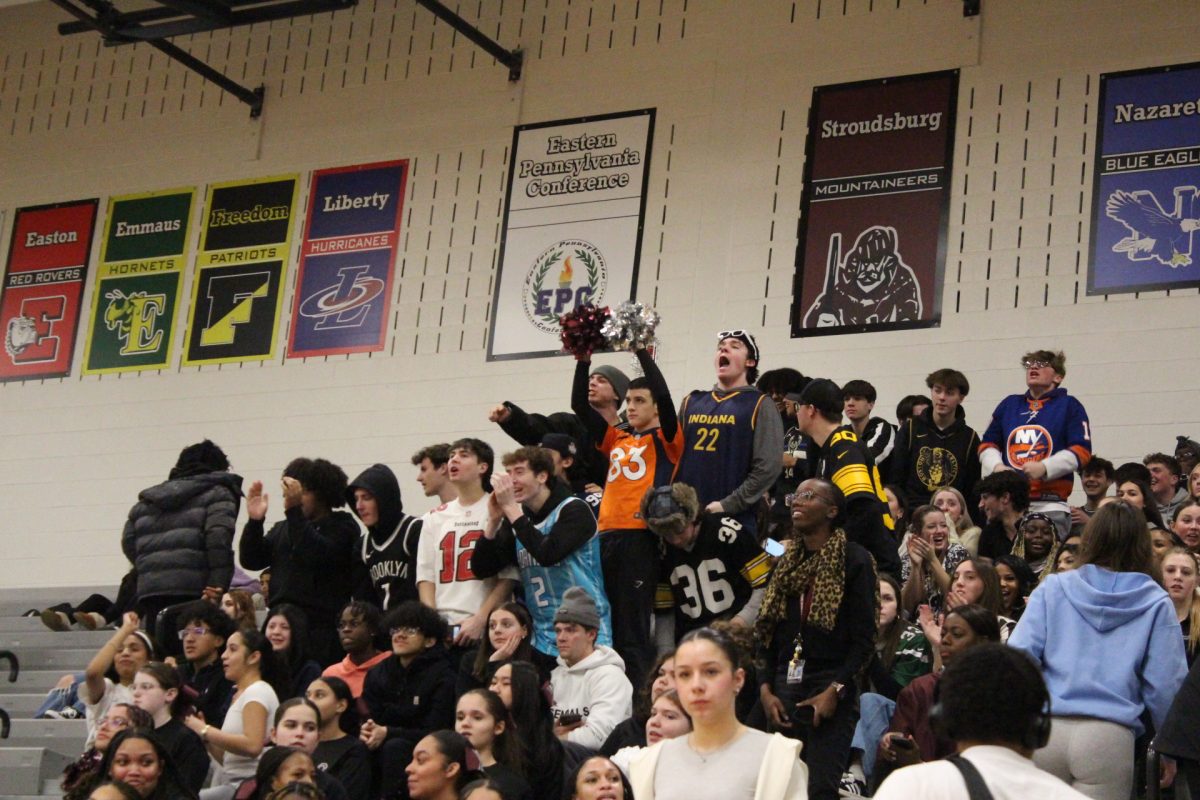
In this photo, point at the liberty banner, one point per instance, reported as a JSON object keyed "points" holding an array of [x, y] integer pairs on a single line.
{"points": [[572, 226], [138, 282], [345, 284], [237, 292], [1146, 191], [873, 216], [43, 288]]}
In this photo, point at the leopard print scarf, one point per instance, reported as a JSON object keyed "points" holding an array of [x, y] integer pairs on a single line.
{"points": [[825, 571]]}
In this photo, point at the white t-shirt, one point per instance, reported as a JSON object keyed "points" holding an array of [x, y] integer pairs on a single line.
{"points": [[448, 538], [1008, 774], [114, 693], [238, 768]]}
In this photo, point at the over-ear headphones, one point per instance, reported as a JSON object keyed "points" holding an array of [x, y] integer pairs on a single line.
{"points": [[1035, 736]]}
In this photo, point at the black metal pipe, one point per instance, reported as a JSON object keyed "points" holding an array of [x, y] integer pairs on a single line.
{"points": [[510, 58], [251, 97]]}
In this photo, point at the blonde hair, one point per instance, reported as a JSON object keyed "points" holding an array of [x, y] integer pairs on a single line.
{"points": [[1193, 639]]}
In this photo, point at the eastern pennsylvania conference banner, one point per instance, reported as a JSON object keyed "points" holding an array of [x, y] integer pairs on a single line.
{"points": [[1146, 191], [572, 226], [43, 289], [238, 287], [346, 261], [138, 281], [876, 203]]}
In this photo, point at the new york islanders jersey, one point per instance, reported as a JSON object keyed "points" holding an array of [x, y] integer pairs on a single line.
{"points": [[718, 440], [637, 463], [448, 536], [1023, 429], [715, 578], [391, 563], [545, 585]]}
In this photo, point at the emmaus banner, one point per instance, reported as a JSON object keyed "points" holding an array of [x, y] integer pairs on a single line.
{"points": [[1146, 190], [43, 288], [344, 288], [873, 216], [138, 281], [237, 291], [572, 226]]}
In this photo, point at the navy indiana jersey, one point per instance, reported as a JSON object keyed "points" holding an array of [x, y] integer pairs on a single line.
{"points": [[392, 564], [715, 578], [718, 440]]}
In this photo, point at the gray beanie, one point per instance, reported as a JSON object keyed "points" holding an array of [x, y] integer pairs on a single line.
{"points": [[619, 381], [578, 607]]}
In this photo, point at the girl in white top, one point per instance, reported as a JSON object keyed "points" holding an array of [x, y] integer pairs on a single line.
{"points": [[125, 653], [250, 664], [720, 757]]}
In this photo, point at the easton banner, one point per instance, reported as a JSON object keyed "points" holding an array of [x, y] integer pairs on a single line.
{"points": [[1146, 191], [237, 291], [873, 216], [345, 284], [43, 288], [138, 281], [572, 229]]}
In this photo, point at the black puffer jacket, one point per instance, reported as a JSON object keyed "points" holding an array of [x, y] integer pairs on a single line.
{"points": [[180, 535], [415, 700]]}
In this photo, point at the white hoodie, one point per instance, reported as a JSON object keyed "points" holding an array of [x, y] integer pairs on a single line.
{"points": [[597, 690]]}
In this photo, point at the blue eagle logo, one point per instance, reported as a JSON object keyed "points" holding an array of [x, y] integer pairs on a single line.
{"points": [[1155, 233]]}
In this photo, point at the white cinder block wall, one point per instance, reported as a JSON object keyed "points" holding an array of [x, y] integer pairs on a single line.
{"points": [[731, 81]]}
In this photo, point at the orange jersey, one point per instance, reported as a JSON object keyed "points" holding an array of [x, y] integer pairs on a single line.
{"points": [[636, 463]]}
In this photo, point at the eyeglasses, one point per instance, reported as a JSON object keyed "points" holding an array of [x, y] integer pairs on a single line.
{"points": [[405, 632], [807, 495], [113, 722], [1035, 364], [197, 631]]}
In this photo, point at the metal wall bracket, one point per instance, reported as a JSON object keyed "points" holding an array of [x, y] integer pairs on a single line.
{"points": [[179, 17], [513, 59]]}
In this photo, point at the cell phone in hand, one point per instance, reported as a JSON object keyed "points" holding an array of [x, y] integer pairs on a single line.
{"points": [[804, 715], [570, 719], [900, 742], [454, 631]]}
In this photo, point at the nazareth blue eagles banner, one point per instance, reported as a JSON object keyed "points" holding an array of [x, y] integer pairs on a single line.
{"points": [[346, 261], [871, 253], [1146, 191]]}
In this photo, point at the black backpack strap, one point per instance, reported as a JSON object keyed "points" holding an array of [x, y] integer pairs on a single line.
{"points": [[976, 788]]}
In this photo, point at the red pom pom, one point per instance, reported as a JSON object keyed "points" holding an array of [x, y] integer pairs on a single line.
{"points": [[581, 334]]}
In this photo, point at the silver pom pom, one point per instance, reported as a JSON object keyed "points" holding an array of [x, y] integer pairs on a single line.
{"points": [[631, 326]]}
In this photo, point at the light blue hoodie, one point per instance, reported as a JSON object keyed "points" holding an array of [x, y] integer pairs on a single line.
{"points": [[1108, 642]]}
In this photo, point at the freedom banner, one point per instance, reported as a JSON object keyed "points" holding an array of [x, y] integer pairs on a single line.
{"points": [[138, 282], [873, 216], [572, 226], [1146, 191], [245, 244], [43, 288], [345, 285]]}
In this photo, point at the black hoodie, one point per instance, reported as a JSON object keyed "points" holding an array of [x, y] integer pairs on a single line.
{"points": [[926, 457], [389, 548], [415, 700], [179, 535]]}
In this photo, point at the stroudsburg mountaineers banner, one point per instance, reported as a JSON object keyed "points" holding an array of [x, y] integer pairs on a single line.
{"points": [[872, 238], [138, 281], [572, 229], [346, 260], [238, 286], [43, 289], [1146, 190]]}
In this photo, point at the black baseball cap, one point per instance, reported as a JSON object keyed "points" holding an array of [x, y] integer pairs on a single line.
{"points": [[560, 443], [823, 395]]}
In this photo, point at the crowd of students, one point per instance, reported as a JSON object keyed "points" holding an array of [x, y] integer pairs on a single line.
{"points": [[752, 595]]}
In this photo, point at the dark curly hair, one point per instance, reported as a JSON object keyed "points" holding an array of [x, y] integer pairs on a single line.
{"points": [[992, 694], [324, 479], [414, 614]]}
